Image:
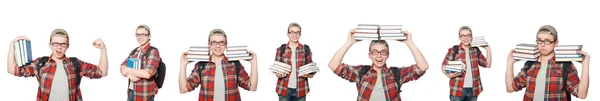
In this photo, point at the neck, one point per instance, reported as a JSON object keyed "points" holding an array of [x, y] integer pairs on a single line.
{"points": [[378, 69], [466, 46], [55, 58], [293, 44], [217, 58], [143, 45], [545, 58]]}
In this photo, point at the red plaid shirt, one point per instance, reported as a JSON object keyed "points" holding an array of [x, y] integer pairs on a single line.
{"points": [[45, 76], [456, 84], [206, 78], [302, 58], [554, 89], [366, 84], [145, 88]]}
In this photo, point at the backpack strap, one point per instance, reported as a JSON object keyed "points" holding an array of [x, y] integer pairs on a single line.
{"points": [[237, 65], [454, 52], [281, 50], [362, 71], [396, 72], [565, 76], [41, 62], [75, 62], [527, 66]]}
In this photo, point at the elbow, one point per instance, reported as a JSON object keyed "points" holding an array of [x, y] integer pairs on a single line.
{"points": [[509, 90], [424, 67], [253, 89], [182, 91], [581, 96], [104, 74]]}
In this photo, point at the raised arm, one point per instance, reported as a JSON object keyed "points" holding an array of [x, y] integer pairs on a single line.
{"points": [[584, 83], [183, 81], [418, 56], [103, 56], [487, 59], [253, 72], [509, 76], [11, 64], [336, 61]]}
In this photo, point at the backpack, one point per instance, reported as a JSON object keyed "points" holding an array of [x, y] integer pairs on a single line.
{"points": [[159, 78], [394, 70], [455, 51], [284, 46], [566, 68], [74, 61]]}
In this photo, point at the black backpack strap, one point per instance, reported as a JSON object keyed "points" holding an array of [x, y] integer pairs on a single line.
{"points": [[454, 52], [77, 67], [527, 66], [133, 51], [237, 65], [41, 62], [362, 71], [281, 50], [396, 72], [565, 76]]}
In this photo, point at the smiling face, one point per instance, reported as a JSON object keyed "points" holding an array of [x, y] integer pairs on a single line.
{"points": [[546, 42], [142, 36], [294, 33], [465, 36], [378, 53]]}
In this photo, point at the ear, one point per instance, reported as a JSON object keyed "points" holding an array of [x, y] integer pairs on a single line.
{"points": [[556, 43]]}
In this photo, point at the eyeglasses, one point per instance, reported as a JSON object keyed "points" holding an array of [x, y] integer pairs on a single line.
{"points": [[374, 52], [294, 33], [56, 44], [141, 35], [214, 43], [465, 36], [546, 42]]}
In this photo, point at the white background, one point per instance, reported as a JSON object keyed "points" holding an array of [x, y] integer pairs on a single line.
{"points": [[176, 25]]}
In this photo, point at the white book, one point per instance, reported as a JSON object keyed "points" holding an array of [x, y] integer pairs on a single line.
{"points": [[569, 59], [199, 50], [527, 51], [566, 52], [196, 60], [569, 47], [274, 70], [390, 31], [365, 38], [526, 55], [198, 56], [237, 52], [392, 35], [366, 31], [198, 53], [526, 46], [367, 26], [236, 48], [386, 27], [524, 59], [366, 35], [240, 58], [393, 38]]}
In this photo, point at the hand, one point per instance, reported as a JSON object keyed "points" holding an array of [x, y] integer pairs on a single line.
{"points": [[133, 78], [184, 58], [408, 37], [511, 58], [586, 57], [351, 36], [486, 47], [253, 55], [453, 75], [20, 38], [307, 76], [280, 75], [123, 72], [99, 44]]}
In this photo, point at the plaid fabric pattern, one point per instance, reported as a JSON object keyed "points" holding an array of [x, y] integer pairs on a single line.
{"points": [[302, 58], [206, 78], [456, 84], [554, 89], [45, 76], [366, 84], [145, 88]]}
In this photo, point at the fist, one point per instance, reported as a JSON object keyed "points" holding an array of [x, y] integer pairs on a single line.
{"points": [[99, 44]]}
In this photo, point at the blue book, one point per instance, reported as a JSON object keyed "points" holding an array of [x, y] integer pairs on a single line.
{"points": [[23, 52], [133, 63]]}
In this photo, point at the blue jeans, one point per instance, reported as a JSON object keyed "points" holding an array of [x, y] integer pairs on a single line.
{"points": [[467, 95], [291, 96], [130, 97]]}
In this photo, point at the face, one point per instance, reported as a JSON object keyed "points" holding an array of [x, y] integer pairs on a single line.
{"points": [[465, 37], [142, 36], [379, 54], [217, 45], [546, 43], [59, 46], [294, 33]]}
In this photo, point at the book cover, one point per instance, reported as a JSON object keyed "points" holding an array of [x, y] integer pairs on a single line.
{"points": [[558, 52], [568, 56], [238, 55], [133, 63], [22, 49], [569, 47]]}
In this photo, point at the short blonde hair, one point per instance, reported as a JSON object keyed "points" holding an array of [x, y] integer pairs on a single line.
{"points": [[218, 32], [59, 32], [378, 42], [293, 24], [145, 27], [465, 28]]}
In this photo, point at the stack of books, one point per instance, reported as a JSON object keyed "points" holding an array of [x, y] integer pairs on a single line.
{"points": [[478, 41], [366, 32], [568, 53], [391, 32], [308, 69], [455, 66], [237, 53], [198, 53], [280, 68], [23, 52], [526, 52], [133, 63]]}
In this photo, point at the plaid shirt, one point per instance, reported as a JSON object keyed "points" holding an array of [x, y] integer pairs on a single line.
{"points": [[145, 88], [366, 84], [456, 84], [554, 89], [206, 78], [45, 76], [302, 58]]}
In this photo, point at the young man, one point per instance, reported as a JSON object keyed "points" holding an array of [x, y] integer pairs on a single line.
{"points": [[293, 87], [378, 82], [142, 86], [466, 86], [546, 79], [58, 74], [220, 78]]}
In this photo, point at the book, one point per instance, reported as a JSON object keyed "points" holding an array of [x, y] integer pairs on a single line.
{"points": [[390, 31], [526, 55], [454, 66], [366, 35], [367, 26], [568, 53], [568, 47], [392, 35], [196, 49], [237, 48], [526, 46], [133, 63], [193, 56], [478, 41], [527, 51], [237, 52], [392, 38], [22, 50], [390, 27], [280, 67], [197, 53], [308, 69], [366, 38], [366, 31]]}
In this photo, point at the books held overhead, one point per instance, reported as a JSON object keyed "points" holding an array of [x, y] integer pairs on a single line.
{"points": [[280, 68], [308, 69], [526, 52], [478, 41], [568, 53], [454, 66], [201, 53], [23, 52], [379, 32]]}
